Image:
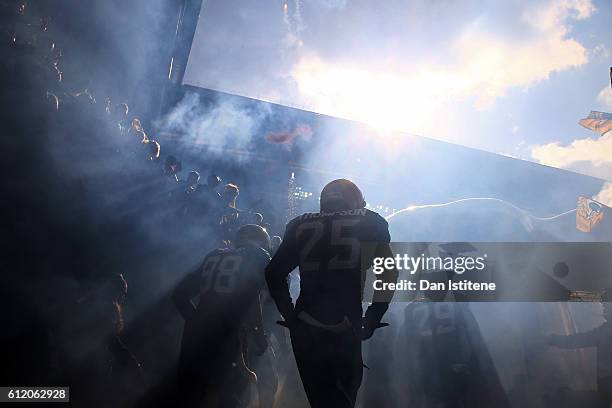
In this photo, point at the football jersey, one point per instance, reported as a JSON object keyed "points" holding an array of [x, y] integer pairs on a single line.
{"points": [[444, 356], [227, 318], [230, 280], [438, 330], [327, 247]]}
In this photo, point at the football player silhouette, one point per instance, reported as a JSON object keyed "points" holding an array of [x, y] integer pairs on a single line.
{"points": [[326, 325], [225, 322]]}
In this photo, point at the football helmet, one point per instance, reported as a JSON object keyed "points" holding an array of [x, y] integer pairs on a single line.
{"points": [[340, 195], [253, 234]]}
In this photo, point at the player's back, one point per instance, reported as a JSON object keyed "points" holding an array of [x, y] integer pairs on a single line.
{"points": [[230, 282], [436, 327], [328, 248]]}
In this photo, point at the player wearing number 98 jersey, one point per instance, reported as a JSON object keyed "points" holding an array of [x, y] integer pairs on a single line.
{"points": [[326, 324], [226, 321]]}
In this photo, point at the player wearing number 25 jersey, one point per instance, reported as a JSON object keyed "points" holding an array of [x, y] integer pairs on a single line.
{"points": [[326, 324], [225, 322]]}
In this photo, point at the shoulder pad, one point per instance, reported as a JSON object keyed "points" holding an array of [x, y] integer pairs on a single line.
{"points": [[301, 217], [295, 221], [376, 217], [255, 251]]}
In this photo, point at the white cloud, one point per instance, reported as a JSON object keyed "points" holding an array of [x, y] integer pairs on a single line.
{"points": [[480, 65], [549, 15], [588, 156], [605, 195], [592, 156], [501, 62], [605, 97], [411, 66]]}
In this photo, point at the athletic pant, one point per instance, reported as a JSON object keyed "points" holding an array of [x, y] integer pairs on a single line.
{"points": [[330, 365]]}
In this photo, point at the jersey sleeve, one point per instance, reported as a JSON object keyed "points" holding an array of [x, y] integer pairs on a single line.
{"points": [[185, 291], [381, 299], [261, 259], [189, 288], [254, 324], [381, 230], [284, 261]]}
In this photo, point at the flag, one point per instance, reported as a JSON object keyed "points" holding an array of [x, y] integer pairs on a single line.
{"points": [[600, 122], [588, 214]]}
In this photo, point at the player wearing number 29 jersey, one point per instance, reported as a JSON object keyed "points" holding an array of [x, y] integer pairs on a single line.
{"points": [[326, 322], [445, 361], [226, 320]]}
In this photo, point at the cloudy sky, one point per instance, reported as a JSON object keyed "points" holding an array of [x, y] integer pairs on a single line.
{"points": [[511, 77]]}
